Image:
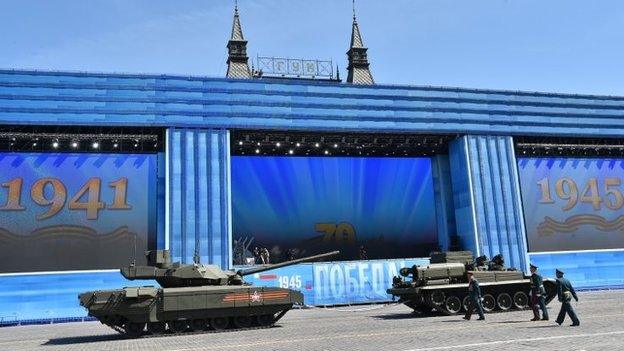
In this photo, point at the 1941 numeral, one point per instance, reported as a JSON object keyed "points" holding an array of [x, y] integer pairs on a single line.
{"points": [[86, 199]]}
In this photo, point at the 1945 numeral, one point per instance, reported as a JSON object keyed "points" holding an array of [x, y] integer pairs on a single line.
{"points": [[567, 190]]}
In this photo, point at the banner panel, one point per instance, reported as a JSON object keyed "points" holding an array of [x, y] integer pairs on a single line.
{"points": [[64, 211], [337, 283], [368, 208], [572, 203]]}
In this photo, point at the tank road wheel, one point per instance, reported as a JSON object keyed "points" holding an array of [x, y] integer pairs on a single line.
{"points": [[219, 323], [489, 303], [242, 322], [133, 329], [265, 320], [465, 303], [520, 300], [437, 298], [199, 324], [504, 301], [452, 305], [178, 326], [156, 328]]}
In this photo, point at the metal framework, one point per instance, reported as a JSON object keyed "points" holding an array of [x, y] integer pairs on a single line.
{"points": [[263, 143], [569, 146], [77, 139], [294, 68]]}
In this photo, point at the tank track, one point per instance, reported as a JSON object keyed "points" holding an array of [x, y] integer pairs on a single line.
{"points": [[429, 308], [188, 331], [528, 308], [168, 333]]}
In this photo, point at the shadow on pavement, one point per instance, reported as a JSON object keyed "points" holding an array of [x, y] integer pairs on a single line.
{"points": [[544, 326], [405, 316], [70, 340]]}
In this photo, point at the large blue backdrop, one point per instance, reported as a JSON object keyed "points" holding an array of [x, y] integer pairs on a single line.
{"points": [[310, 204]]}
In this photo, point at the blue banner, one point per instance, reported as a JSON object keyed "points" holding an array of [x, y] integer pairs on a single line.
{"points": [[64, 211], [337, 283], [572, 203]]}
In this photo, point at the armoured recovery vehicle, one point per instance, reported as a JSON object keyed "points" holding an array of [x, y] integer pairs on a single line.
{"points": [[442, 285], [191, 297]]}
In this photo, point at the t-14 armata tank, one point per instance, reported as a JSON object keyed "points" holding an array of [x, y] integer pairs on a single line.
{"points": [[192, 297], [442, 286]]}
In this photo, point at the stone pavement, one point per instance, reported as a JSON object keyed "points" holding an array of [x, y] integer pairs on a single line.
{"points": [[376, 327]]}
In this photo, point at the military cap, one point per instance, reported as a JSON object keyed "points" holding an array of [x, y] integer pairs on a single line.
{"points": [[558, 271], [533, 266]]}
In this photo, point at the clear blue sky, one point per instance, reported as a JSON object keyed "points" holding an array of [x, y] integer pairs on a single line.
{"points": [[545, 45]]}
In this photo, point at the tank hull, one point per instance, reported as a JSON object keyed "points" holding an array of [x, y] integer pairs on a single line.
{"points": [[150, 310]]}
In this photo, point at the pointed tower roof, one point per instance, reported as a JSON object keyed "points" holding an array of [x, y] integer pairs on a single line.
{"points": [[356, 37], [237, 31], [358, 69], [237, 51]]}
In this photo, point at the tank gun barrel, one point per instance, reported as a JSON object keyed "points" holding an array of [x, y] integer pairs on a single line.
{"points": [[244, 272]]}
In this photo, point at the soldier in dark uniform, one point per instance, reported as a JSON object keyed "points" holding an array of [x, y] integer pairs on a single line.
{"points": [[565, 293], [497, 263], [538, 300], [474, 301]]}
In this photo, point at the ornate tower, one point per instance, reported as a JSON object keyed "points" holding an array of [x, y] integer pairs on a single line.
{"points": [[237, 51], [359, 72]]}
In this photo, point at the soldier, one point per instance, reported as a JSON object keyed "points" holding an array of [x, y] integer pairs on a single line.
{"points": [[538, 300], [474, 301], [362, 254], [256, 255], [565, 293], [264, 255], [497, 264]]}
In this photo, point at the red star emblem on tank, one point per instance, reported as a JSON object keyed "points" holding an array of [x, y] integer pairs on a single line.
{"points": [[255, 297]]}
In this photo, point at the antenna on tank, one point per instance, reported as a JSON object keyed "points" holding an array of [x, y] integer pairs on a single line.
{"points": [[135, 240], [196, 254]]}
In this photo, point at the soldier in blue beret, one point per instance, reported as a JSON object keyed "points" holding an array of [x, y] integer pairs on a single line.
{"points": [[565, 293], [538, 300]]}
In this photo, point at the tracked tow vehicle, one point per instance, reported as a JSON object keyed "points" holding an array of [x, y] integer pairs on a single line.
{"points": [[442, 285], [191, 297]]}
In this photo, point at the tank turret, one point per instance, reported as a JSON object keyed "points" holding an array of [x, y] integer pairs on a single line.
{"points": [[169, 274]]}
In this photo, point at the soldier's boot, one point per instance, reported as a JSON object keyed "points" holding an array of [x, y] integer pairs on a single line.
{"points": [[536, 316]]}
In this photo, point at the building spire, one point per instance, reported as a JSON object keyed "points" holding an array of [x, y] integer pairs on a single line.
{"points": [[237, 50], [358, 69]]}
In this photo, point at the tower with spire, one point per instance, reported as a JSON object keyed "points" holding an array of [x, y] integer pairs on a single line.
{"points": [[358, 69], [237, 51]]}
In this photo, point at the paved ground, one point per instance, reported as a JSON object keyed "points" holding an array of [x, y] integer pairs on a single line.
{"points": [[360, 328]]}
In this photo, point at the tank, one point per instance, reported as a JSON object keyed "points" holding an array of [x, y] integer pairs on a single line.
{"points": [[442, 286], [191, 297]]}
